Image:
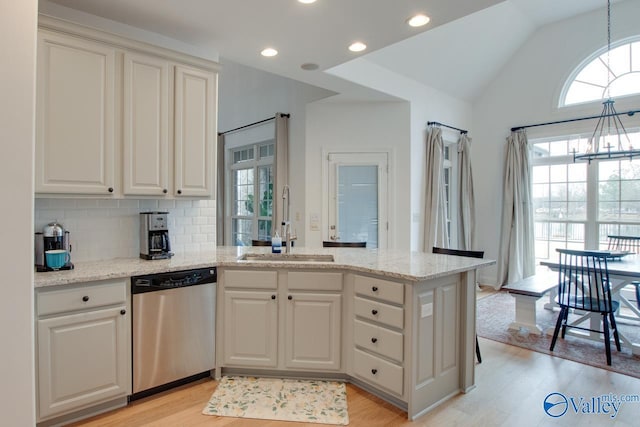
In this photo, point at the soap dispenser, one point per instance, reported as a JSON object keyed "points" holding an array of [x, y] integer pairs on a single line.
{"points": [[276, 244]]}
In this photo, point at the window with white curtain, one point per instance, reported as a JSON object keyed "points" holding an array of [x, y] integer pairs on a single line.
{"points": [[451, 189], [251, 191], [577, 205]]}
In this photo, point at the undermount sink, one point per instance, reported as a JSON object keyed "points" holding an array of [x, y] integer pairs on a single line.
{"points": [[288, 257]]}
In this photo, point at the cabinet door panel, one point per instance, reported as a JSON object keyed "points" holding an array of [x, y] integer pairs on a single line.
{"points": [[146, 125], [250, 328], [313, 331], [195, 130], [75, 116], [83, 359]]}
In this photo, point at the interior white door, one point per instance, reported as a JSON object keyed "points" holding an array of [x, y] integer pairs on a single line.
{"points": [[358, 198]]}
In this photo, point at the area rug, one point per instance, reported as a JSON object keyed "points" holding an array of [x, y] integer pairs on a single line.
{"points": [[497, 311], [323, 402]]}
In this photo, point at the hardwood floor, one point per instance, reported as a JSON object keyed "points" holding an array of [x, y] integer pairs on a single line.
{"points": [[511, 384]]}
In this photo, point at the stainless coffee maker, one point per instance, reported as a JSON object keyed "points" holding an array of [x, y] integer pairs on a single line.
{"points": [[53, 236], [154, 236]]}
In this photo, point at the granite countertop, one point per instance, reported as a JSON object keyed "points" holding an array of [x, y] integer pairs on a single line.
{"points": [[403, 265]]}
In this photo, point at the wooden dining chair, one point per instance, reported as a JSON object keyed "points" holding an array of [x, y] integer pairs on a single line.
{"points": [[460, 252], [334, 244], [623, 243], [584, 285]]}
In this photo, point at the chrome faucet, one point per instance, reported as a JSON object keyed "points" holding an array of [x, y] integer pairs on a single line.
{"points": [[285, 231]]}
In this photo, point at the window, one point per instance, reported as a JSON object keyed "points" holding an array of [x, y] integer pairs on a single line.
{"points": [[251, 174], [595, 80], [451, 190], [577, 205]]}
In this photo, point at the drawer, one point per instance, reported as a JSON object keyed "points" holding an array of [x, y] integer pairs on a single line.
{"points": [[82, 297], [314, 281], [381, 289], [380, 312], [254, 279], [379, 340], [377, 371]]}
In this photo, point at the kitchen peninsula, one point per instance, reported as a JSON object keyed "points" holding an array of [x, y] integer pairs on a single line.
{"points": [[398, 324]]}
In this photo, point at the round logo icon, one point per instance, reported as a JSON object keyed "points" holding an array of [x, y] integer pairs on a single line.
{"points": [[555, 405]]}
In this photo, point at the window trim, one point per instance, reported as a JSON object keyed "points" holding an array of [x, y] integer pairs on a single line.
{"points": [[254, 165]]}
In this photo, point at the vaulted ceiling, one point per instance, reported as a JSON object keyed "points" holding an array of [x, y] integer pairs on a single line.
{"points": [[481, 34]]}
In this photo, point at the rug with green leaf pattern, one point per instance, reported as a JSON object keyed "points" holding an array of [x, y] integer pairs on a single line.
{"points": [[310, 401]]}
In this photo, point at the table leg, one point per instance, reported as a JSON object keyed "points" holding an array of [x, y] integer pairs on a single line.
{"points": [[526, 314]]}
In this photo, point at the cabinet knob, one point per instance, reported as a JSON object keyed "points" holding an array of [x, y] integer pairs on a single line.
{"points": [[85, 298], [374, 371], [374, 340], [179, 191], [289, 297], [110, 190], [123, 312], [374, 312], [273, 297], [374, 288], [165, 191]]}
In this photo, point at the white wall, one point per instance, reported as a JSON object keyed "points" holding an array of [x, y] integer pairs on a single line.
{"points": [[526, 91], [247, 95], [105, 229], [17, 121], [379, 126], [426, 104]]}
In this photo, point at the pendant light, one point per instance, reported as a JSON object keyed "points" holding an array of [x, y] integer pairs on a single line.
{"points": [[609, 139]]}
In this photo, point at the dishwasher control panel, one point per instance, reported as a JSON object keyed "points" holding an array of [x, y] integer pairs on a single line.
{"points": [[174, 279]]}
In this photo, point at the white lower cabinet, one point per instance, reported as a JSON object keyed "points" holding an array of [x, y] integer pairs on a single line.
{"points": [[378, 333], [251, 328], [313, 330], [83, 347], [281, 320]]}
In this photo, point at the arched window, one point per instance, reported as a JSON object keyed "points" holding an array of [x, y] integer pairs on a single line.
{"points": [[591, 81]]}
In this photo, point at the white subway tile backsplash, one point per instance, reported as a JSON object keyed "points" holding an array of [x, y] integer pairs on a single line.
{"points": [[106, 229]]}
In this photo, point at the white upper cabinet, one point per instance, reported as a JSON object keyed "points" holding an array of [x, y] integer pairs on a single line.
{"points": [[146, 125], [195, 131], [120, 118], [75, 116]]}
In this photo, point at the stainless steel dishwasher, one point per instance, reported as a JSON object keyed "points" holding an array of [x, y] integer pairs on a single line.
{"points": [[173, 329]]}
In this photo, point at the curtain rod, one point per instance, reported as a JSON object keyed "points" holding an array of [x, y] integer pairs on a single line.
{"points": [[629, 113], [462, 131], [253, 124]]}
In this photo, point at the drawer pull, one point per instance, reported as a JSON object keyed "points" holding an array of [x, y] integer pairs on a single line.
{"points": [[374, 312], [374, 340], [374, 289], [374, 371], [85, 298], [123, 312]]}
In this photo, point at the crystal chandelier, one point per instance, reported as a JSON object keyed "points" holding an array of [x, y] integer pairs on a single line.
{"points": [[609, 139]]}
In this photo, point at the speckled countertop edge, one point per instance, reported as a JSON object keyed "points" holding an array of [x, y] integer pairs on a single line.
{"points": [[400, 265]]}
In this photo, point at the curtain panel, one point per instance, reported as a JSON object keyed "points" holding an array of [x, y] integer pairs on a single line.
{"points": [[435, 212], [466, 199], [517, 251]]}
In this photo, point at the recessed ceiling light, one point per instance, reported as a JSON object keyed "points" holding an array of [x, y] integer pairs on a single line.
{"points": [[307, 1], [418, 20], [269, 52], [357, 47]]}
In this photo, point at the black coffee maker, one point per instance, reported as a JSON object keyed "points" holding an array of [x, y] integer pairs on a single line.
{"points": [[52, 237], [154, 236]]}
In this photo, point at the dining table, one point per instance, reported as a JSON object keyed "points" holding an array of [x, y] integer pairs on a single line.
{"points": [[624, 268]]}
